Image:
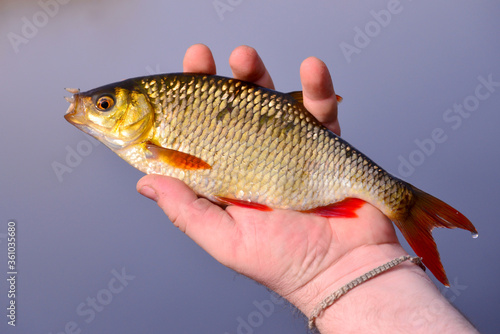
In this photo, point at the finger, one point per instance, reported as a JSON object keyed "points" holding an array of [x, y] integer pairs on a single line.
{"points": [[199, 59], [204, 222], [318, 92], [247, 65]]}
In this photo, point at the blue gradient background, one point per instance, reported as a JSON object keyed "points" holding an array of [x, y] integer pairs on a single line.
{"points": [[73, 234]]}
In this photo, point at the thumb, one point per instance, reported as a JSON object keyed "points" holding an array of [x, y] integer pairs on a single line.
{"points": [[207, 224]]}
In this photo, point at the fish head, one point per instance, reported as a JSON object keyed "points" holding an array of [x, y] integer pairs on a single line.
{"points": [[117, 115]]}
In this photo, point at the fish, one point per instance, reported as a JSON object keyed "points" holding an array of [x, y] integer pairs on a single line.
{"points": [[237, 143]]}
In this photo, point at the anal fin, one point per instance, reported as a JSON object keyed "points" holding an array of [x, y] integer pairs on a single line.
{"points": [[243, 204], [346, 209]]}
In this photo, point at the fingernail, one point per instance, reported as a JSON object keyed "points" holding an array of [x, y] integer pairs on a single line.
{"points": [[149, 192]]}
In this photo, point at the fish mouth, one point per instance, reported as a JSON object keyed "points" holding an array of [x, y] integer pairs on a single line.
{"points": [[72, 114]]}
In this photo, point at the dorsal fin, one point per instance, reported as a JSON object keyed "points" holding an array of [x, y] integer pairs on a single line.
{"points": [[297, 95]]}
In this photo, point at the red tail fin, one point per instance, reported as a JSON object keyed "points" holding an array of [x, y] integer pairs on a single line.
{"points": [[429, 212]]}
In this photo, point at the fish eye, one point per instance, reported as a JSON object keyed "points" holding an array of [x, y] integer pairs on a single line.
{"points": [[105, 103]]}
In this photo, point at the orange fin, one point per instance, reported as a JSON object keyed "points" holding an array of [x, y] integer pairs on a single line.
{"points": [[243, 204], [346, 208], [297, 95], [426, 213], [175, 158]]}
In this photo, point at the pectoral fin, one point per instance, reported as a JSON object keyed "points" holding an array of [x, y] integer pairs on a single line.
{"points": [[175, 158]]}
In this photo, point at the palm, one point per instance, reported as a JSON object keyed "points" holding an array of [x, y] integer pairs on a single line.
{"points": [[273, 247], [278, 246], [287, 246]]}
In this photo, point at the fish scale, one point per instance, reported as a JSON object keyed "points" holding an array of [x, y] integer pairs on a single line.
{"points": [[242, 102], [234, 142]]}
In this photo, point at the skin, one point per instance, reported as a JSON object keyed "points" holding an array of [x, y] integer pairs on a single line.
{"points": [[303, 257]]}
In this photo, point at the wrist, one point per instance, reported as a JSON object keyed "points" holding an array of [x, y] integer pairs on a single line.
{"points": [[401, 299], [381, 304], [349, 267]]}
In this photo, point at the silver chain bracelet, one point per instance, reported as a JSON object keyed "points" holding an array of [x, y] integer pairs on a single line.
{"points": [[329, 300]]}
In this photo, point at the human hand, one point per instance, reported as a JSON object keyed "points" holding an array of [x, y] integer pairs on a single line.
{"points": [[303, 257]]}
